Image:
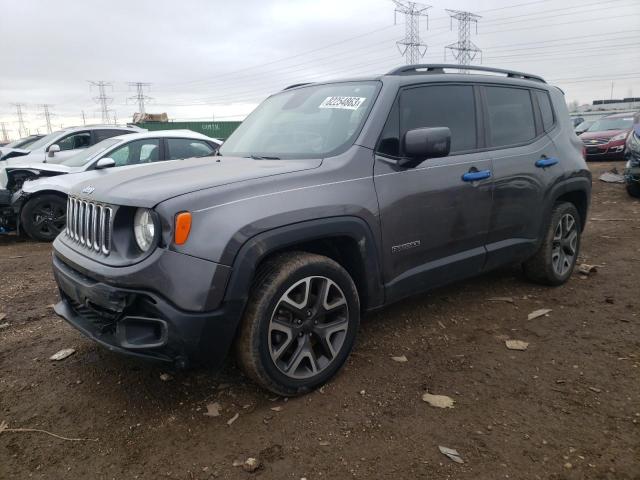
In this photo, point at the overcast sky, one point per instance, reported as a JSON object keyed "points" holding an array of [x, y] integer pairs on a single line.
{"points": [[208, 58]]}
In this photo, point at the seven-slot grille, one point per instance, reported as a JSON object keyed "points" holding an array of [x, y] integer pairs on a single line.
{"points": [[89, 224]]}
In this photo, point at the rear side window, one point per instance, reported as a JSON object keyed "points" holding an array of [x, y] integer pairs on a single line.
{"points": [[450, 106], [100, 135], [545, 109], [186, 148], [510, 116]]}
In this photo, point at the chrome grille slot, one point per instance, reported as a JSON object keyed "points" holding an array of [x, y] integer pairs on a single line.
{"points": [[89, 224]]}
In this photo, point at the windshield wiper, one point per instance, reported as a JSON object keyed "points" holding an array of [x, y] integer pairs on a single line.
{"points": [[257, 157]]}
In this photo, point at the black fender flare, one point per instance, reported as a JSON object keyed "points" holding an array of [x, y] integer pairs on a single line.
{"points": [[254, 250], [578, 183]]}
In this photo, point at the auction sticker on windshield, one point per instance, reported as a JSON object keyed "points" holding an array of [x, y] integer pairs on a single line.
{"points": [[345, 103]]}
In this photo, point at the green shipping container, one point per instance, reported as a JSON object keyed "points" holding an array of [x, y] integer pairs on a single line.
{"points": [[220, 130]]}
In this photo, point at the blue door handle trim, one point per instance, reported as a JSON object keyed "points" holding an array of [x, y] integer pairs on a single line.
{"points": [[546, 162], [475, 176]]}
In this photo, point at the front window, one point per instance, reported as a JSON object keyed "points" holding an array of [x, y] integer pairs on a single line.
{"points": [[605, 124], [84, 157], [139, 151], [309, 122], [75, 141]]}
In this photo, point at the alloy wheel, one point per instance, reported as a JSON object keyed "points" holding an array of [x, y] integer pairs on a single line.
{"points": [[49, 218], [565, 245], [308, 327]]}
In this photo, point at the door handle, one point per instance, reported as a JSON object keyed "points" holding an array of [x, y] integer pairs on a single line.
{"points": [[546, 162], [475, 175]]}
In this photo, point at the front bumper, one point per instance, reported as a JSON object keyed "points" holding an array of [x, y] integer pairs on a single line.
{"points": [[7, 212], [142, 323], [605, 152], [632, 172]]}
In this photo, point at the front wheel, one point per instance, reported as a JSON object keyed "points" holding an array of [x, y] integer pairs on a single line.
{"points": [[633, 189], [44, 217], [300, 323], [554, 262]]}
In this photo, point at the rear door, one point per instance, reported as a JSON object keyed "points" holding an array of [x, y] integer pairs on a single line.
{"points": [[434, 218], [525, 164]]}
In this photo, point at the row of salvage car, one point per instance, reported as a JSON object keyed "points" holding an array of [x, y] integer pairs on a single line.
{"points": [[35, 178]]}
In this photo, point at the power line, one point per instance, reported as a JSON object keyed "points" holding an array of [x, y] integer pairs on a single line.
{"points": [[22, 129], [464, 50], [47, 116], [5, 136], [411, 47], [140, 97], [102, 98]]}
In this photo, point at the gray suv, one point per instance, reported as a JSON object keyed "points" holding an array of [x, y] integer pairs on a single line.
{"points": [[330, 200]]}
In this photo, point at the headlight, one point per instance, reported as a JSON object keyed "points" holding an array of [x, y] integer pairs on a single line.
{"points": [[620, 136], [144, 228]]}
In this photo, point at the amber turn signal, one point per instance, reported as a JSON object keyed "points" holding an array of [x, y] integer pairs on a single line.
{"points": [[183, 227]]}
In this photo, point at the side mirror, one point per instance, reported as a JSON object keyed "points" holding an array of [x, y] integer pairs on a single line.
{"points": [[105, 162], [422, 143], [53, 149]]}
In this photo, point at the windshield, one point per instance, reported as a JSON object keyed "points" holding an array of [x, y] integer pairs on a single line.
{"points": [[86, 155], [309, 122], [603, 124], [43, 141]]}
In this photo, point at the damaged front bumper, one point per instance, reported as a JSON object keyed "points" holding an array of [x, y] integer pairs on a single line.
{"points": [[142, 323], [8, 216], [632, 171]]}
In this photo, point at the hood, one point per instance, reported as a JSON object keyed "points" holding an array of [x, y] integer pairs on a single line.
{"points": [[36, 169], [156, 182], [603, 134], [40, 167], [64, 183], [6, 153]]}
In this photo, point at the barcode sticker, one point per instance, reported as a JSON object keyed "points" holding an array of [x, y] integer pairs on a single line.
{"points": [[345, 103]]}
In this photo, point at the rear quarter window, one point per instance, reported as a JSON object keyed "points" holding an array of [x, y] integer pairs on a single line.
{"points": [[546, 110]]}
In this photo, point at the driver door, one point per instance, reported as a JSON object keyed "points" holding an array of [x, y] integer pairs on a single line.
{"points": [[434, 217]]}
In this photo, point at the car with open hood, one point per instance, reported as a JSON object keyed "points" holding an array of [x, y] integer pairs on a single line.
{"points": [[38, 206]]}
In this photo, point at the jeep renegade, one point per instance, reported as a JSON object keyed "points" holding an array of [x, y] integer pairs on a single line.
{"points": [[330, 200]]}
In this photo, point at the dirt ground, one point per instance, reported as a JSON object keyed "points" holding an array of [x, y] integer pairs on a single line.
{"points": [[566, 408]]}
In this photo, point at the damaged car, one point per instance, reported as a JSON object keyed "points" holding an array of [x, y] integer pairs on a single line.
{"points": [[38, 206], [60, 145], [632, 155]]}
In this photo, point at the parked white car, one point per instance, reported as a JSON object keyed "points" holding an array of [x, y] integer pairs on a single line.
{"points": [[39, 207], [60, 145]]}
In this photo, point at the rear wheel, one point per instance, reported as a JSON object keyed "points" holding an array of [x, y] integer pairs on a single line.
{"points": [[554, 262], [633, 189], [300, 323], [44, 216]]}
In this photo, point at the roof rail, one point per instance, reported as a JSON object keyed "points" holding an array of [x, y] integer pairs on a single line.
{"points": [[296, 85], [439, 68]]}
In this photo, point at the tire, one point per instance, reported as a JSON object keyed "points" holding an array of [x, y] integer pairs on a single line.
{"points": [[554, 262], [43, 217], [633, 189], [288, 349]]}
